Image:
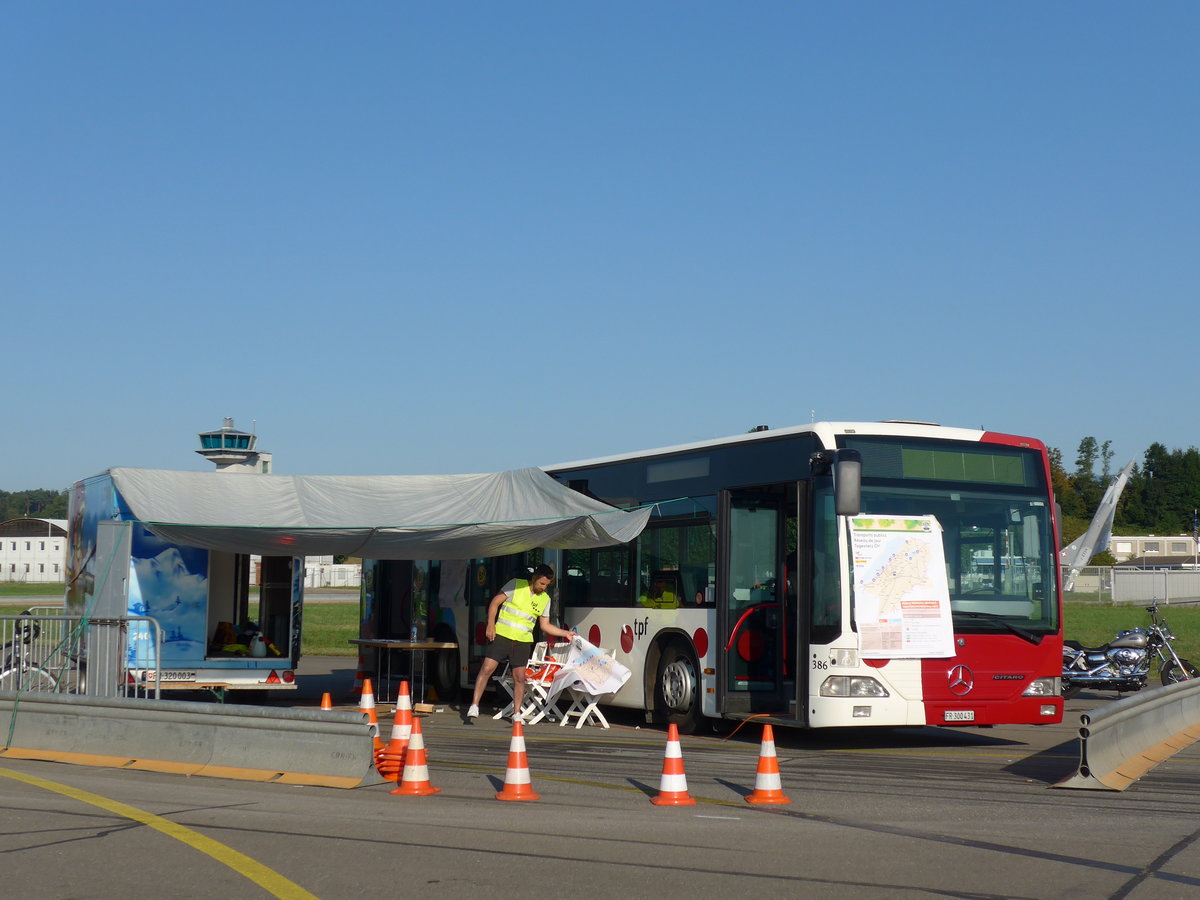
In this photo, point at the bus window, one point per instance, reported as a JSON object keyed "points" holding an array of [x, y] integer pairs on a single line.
{"points": [[677, 565], [597, 577], [826, 610], [575, 577]]}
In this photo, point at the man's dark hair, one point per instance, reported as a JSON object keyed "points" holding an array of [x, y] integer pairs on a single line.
{"points": [[542, 571]]}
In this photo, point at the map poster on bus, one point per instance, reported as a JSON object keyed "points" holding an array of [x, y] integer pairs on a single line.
{"points": [[901, 597]]}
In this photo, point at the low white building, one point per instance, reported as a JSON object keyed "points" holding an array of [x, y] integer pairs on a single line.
{"points": [[319, 572], [33, 550], [1164, 549]]}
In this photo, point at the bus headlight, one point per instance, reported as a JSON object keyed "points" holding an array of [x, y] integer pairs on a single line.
{"points": [[1043, 687], [852, 686]]}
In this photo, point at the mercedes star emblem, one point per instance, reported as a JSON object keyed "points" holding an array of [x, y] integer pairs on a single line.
{"points": [[961, 681]]}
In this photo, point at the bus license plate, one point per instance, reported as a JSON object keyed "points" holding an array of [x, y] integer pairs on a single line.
{"points": [[960, 715]]}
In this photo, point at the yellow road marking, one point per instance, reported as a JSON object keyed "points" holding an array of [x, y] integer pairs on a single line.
{"points": [[266, 878]]}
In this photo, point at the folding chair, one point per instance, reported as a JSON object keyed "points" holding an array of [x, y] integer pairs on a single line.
{"points": [[536, 705]]}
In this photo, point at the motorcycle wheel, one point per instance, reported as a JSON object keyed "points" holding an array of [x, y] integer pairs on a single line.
{"points": [[1070, 691], [1172, 674]]}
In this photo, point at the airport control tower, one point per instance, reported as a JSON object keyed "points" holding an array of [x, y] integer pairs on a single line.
{"points": [[231, 450]]}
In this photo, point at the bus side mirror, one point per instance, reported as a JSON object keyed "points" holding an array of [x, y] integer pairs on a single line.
{"points": [[847, 482]]}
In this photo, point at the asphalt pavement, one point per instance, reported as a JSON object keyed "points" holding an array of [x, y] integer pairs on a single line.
{"points": [[910, 812]]}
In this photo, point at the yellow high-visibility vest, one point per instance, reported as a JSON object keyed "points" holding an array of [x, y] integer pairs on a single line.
{"points": [[667, 600], [520, 612]]}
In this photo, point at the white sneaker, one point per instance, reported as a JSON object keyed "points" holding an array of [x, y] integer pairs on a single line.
{"points": [[517, 717], [473, 711]]}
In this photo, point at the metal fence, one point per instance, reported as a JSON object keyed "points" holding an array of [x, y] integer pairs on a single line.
{"points": [[55, 653], [1124, 585]]}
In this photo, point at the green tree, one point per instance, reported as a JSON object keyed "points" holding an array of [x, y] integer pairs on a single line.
{"points": [[1086, 483], [1064, 489], [1163, 494], [39, 504]]}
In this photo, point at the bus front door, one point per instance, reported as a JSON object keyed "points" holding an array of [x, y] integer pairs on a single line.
{"points": [[751, 609]]}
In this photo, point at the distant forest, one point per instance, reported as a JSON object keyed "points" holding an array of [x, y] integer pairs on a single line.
{"points": [[1162, 495], [42, 504]]}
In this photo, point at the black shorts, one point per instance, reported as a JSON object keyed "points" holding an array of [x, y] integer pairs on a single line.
{"points": [[516, 652]]}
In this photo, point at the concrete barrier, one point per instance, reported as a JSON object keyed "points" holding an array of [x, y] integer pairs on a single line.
{"points": [[1121, 742], [290, 746]]}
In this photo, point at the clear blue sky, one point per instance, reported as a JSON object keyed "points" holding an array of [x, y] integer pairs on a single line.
{"points": [[417, 238]]}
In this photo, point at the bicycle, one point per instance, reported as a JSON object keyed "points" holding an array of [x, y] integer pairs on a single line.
{"points": [[20, 670]]}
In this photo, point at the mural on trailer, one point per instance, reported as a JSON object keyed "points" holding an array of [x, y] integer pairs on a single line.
{"points": [[169, 583], [166, 581], [297, 607], [91, 501]]}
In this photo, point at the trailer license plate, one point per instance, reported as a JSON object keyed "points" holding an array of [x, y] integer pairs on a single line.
{"points": [[173, 676], [960, 715]]}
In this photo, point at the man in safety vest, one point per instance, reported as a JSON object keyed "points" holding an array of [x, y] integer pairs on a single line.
{"points": [[660, 596], [510, 620]]}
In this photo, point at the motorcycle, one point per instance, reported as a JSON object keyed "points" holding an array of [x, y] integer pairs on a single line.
{"points": [[1123, 664]]}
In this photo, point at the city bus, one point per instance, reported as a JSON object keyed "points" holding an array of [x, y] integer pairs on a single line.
{"points": [[827, 575]]}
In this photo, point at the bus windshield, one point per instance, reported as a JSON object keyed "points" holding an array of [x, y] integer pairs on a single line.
{"points": [[997, 531]]}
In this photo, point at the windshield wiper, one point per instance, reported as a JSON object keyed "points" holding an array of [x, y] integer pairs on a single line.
{"points": [[992, 617]]}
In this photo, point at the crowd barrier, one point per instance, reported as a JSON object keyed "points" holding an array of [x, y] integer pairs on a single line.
{"points": [[1122, 741], [290, 746]]}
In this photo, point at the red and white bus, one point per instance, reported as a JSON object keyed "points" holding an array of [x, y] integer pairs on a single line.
{"points": [[739, 597]]}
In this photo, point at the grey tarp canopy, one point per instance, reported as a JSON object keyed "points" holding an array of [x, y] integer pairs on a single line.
{"points": [[372, 516]]}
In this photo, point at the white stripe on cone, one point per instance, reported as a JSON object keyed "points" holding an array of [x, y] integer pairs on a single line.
{"points": [[415, 771], [768, 781], [517, 776], [672, 784]]}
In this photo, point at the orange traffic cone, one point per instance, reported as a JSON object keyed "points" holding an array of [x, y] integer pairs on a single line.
{"points": [[768, 788], [517, 785], [360, 676], [402, 725], [390, 761], [672, 789], [326, 701], [415, 780], [366, 704]]}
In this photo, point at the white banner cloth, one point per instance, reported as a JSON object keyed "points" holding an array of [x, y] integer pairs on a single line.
{"points": [[589, 669]]}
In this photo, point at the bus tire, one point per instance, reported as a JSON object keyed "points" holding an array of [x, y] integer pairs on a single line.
{"points": [[677, 688], [445, 674]]}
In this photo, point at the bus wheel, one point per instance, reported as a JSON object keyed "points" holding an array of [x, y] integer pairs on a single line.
{"points": [[677, 690]]}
